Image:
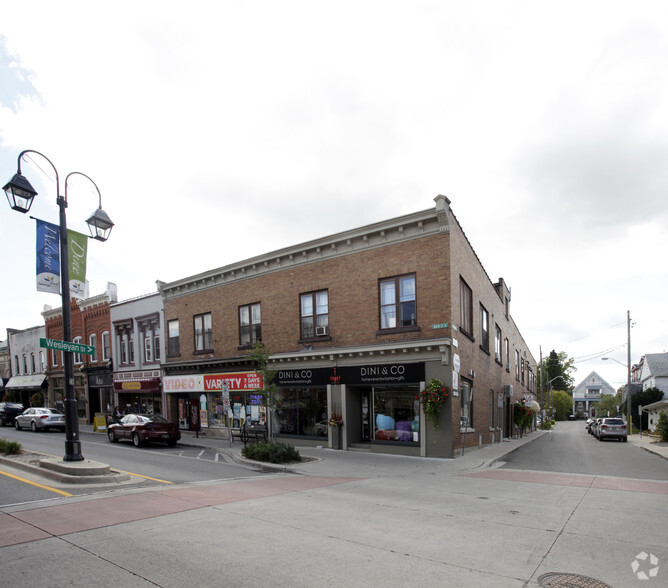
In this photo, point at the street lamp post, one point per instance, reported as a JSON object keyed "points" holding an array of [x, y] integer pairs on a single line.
{"points": [[629, 416], [20, 195], [549, 391]]}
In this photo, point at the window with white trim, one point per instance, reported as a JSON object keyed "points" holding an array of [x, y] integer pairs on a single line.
{"points": [[77, 356], [314, 314], [398, 302], [92, 341], [203, 332], [250, 324], [106, 346]]}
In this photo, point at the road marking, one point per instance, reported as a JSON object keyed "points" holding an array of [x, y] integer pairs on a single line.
{"points": [[201, 453], [49, 488], [145, 477]]}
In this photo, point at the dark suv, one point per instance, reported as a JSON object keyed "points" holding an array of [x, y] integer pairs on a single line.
{"points": [[8, 410]]}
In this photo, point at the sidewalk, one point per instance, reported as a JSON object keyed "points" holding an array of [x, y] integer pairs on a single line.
{"points": [[649, 444]]}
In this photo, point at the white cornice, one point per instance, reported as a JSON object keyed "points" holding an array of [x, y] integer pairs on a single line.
{"points": [[404, 228]]}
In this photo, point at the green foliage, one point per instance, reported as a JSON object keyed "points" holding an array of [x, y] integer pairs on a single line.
{"points": [[37, 399], [608, 405], [643, 398], [546, 425], [662, 426], [556, 368], [260, 356], [271, 452], [523, 415], [432, 398], [10, 396], [562, 403], [10, 447]]}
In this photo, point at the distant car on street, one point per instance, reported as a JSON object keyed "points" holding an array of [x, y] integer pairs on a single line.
{"points": [[144, 428], [613, 428], [8, 411], [40, 419]]}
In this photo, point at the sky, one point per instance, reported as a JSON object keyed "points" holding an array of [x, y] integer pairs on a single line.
{"points": [[221, 131]]}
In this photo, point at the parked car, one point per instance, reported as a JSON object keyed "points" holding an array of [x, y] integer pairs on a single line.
{"points": [[593, 429], [144, 428], [40, 419], [8, 411], [588, 424], [612, 428]]}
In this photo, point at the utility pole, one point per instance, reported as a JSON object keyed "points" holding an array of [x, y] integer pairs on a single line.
{"points": [[629, 416]]}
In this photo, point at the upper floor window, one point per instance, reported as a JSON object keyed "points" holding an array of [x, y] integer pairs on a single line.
{"points": [[173, 337], [33, 366], [106, 346], [398, 306], [522, 371], [250, 324], [17, 364], [203, 332], [25, 364], [465, 308], [507, 343], [156, 344], [148, 347], [497, 344], [131, 349], [92, 341], [77, 356], [54, 358], [124, 348], [484, 328], [314, 310], [42, 364], [517, 364]]}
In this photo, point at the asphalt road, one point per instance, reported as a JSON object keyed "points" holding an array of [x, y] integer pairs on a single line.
{"points": [[575, 451], [151, 465]]}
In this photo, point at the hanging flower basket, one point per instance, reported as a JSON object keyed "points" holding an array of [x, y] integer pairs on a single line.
{"points": [[432, 398], [336, 419]]}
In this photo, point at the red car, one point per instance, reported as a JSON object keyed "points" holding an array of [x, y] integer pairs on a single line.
{"points": [[144, 428]]}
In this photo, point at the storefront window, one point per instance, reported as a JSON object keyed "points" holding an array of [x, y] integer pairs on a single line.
{"points": [[396, 414], [302, 411]]}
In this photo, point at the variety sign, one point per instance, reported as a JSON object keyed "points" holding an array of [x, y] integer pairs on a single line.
{"points": [[239, 381]]}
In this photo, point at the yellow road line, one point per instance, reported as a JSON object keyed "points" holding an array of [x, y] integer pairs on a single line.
{"points": [[49, 488], [145, 477]]}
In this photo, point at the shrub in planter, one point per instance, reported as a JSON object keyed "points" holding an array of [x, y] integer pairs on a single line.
{"points": [[662, 426], [271, 452], [9, 447]]}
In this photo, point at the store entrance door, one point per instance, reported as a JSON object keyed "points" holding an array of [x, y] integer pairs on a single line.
{"points": [[366, 416]]}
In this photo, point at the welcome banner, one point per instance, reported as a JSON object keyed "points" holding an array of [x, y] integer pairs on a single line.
{"points": [[48, 257], [77, 247]]}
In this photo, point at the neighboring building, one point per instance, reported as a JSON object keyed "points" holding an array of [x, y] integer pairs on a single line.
{"points": [[653, 411], [358, 323], [138, 348], [654, 372], [5, 368], [27, 365], [93, 374], [588, 393]]}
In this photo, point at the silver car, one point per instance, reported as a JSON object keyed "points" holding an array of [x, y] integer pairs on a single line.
{"points": [[613, 428], [40, 419]]}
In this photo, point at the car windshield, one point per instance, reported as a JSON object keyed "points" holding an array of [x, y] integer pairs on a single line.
{"points": [[155, 418]]}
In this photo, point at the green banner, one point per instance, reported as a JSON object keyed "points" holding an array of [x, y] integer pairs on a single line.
{"points": [[77, 245]]}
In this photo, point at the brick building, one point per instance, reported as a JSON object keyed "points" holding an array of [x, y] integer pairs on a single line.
{"points": [[358, 323], [93, 375]]}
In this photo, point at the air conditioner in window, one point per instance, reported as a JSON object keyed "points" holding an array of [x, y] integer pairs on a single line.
{"points": [[320, 331], [508, 390]]}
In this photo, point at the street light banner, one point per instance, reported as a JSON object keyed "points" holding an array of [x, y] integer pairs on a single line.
{"points": [[77, 244], [48, 257]]}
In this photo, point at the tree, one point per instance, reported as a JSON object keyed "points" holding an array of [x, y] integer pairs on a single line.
{"points": [[609, 405], [260, 356], [563, 404], [556, 370], [643, 398]]}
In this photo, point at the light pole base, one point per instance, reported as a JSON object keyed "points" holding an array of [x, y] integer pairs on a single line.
{"points": [[73, 451]]}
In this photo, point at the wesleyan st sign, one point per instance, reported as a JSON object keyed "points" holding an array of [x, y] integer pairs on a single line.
{"points": [[67, 346]]}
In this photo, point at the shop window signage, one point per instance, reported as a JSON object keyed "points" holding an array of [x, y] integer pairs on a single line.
{"points": [[391, 373]]}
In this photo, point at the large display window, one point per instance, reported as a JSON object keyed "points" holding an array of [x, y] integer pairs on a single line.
{"points": [[396, 415], [302, 411]]}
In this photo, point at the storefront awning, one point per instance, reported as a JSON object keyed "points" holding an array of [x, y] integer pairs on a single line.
{"points": [[26, 382], [137, 385]]}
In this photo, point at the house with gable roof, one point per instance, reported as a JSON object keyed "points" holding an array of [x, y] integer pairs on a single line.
{"points": [[588, 392]]}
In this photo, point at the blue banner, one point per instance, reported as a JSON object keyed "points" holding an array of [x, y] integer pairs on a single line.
{"points": [[48, 257]]}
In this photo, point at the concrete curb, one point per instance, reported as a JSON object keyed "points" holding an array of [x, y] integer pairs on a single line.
{"points": [[63, 477]]}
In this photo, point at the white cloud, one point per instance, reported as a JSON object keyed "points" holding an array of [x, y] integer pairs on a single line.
{"points": [[221, 131]]}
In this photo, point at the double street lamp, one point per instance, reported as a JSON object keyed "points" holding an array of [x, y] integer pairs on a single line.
{"points": [[20, 195]]}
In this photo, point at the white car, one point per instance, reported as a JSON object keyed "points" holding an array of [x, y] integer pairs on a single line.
{"points": [[39, 419]]}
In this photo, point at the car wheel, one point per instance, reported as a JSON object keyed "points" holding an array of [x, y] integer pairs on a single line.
{"points": [[33, 426], [136, 441], [16, 425], [171, 442], [600, 438], [624, 439], [112, 437]]}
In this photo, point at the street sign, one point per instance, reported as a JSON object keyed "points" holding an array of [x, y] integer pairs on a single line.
{"points": [[67, 346]]}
